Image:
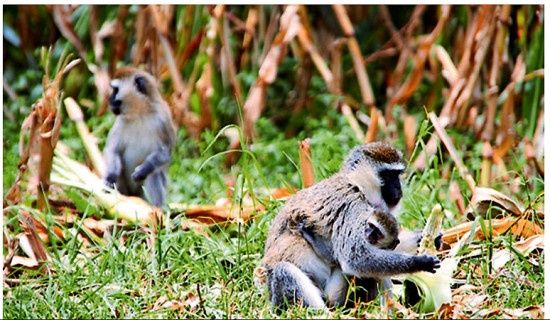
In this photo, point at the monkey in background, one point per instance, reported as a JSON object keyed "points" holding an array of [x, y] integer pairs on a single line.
{"points": [[139, 145], [336, 213]]}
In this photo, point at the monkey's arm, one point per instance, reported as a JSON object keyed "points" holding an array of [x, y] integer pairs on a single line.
{"points": [[113, 163], [322, 247], [154, 160], [374, 262], [360, 258]]}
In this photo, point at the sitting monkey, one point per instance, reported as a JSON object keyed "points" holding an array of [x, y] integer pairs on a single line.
{"points": [[139, 146], [338, 210]]}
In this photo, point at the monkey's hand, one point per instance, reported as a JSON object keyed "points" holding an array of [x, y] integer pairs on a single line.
{"points": [[110, 180], [426, 263], [438, 241], [141, 172]]}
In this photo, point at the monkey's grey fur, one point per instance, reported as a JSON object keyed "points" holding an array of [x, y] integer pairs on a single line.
{"points": [[139, 146], [336, 210]]}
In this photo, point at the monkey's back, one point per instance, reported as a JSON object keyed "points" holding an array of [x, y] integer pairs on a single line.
{"points": [[320, 205]]}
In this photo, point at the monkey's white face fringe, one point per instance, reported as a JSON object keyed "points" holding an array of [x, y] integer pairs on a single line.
{"points": [[392, 166], [364, 176]]}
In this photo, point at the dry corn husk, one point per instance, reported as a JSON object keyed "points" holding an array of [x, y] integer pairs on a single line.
{"points": [[434, 288], [67, 172]]}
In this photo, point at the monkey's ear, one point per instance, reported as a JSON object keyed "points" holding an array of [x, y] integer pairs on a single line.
{"points": [[141, 84]]}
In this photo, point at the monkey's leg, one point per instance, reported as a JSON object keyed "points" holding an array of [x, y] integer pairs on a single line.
{"points": [[336, 288], [289, 284], [155, 188]]}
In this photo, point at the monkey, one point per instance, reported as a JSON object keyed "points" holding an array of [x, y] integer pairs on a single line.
{"points": [[337, 211], [139, 145]]}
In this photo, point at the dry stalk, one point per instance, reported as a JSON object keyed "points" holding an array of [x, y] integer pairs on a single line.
{"points": [[90, 142], [449, 71], [412, 83], [336, 66], [252, 109], [117, 41], [486, 163], [308, 175], [409, 128], [346, 111], [440, 131], [305, 41], [494, 74], [49, 120], [251, 22], [161, 28], [405, 53], [485, 36], [353, 46], [372, 132], [224, 36]]}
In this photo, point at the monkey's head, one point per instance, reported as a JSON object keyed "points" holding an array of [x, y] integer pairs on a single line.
{"points": [[382, 230], [375, 168], [134, 92]]}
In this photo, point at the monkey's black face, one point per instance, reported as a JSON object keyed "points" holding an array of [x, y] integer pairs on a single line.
{"points": [[374, 235], [391, 186], [114, 102]]}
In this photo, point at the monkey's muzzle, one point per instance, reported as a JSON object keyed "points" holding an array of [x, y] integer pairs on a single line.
{"points": [[114, 102], [115, 107]]}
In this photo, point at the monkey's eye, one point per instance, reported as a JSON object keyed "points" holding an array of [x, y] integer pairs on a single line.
{"points": [[140, 83]]}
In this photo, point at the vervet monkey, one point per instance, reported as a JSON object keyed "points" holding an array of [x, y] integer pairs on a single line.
{"points": [[139, 146], [337, 211]]}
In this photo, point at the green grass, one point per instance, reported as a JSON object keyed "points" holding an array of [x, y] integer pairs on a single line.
{"points": [[133, 273]]}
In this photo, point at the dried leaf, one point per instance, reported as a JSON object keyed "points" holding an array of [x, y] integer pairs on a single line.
{"points": [[532, 312], [501, 257], [282, 193], [35, 244], [220, 214], [18, 262], [519, 227], [260, 277], [484, 198]]}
